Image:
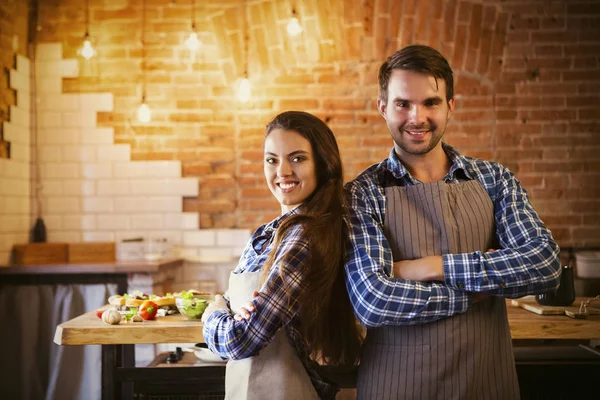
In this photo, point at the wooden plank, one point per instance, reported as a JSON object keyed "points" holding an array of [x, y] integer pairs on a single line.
{"points": [[91, 252], [89, 329], [40, 253]]}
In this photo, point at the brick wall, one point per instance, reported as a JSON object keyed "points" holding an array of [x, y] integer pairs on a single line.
{"points": [[527, 83]]}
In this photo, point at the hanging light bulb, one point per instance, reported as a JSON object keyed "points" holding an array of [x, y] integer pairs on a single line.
{"points": [[144, 113], [293, 26], [192, 43], [244, 89], [87, 50]]}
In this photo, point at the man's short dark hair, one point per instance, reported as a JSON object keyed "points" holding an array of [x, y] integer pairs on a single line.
{"points": [[416, 58]]}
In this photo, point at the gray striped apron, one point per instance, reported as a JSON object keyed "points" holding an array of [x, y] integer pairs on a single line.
{"points": [[467, 356], [276, 372]]}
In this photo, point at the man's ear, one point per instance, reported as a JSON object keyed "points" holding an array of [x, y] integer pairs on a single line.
{"points": [[451, 105], [381, 107]]}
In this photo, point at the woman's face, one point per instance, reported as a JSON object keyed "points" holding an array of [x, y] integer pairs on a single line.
{"points": [[289, 168]]}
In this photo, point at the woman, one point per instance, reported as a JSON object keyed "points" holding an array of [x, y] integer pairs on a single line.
{"points": [[299, 260]]}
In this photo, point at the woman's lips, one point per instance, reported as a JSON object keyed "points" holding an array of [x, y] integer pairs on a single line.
{"points": [[287, 187]]}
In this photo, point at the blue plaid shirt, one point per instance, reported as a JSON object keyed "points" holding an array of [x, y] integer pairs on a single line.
{"points": [[526, 263], [276, 306]]}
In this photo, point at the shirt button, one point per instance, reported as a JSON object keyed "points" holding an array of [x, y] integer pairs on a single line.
{"points": [[502, 284], [460, 285]]}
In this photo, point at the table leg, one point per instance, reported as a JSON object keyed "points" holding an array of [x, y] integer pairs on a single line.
{"points": [[110, 362], [128, 361]]}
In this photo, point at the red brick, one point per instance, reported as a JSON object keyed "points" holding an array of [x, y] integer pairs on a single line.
{"points": [[449, 21], [298, 104]]}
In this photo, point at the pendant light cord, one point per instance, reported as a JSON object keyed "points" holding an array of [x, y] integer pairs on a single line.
{"points": [[246, 39], [87, 18], [193, 15], [144, 80]]}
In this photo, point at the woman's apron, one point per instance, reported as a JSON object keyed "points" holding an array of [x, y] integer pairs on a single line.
{"points": [[467, 356], [276, 372]]}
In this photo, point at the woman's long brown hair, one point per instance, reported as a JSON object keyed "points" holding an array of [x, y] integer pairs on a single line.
{"points": [[327, 320]]}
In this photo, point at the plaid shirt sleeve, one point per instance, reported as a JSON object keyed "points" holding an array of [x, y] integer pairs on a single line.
{"points": [[377, 298], [276, 305], [527, 261]]}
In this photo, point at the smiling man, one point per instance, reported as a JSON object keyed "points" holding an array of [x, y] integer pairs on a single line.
{"points": [[438, 239]]}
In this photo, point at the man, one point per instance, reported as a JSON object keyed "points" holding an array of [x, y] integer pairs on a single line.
{"points": [[438, 239]]}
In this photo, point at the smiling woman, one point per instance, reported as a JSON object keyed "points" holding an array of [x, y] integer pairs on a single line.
{"points": [[289, 168], [297, 262]]}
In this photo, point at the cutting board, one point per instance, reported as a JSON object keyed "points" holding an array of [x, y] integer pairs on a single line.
{"points": [[529, 304]]}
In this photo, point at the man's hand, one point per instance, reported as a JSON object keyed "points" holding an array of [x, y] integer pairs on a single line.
{"points": [[218, 303], [430, 268], [247, 310]]}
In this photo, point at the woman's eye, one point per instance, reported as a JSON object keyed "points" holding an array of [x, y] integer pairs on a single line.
{"points": [[270, 160], [298, 159]]}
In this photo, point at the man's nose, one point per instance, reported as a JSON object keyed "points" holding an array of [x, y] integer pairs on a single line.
{"points": [[417, 115]]}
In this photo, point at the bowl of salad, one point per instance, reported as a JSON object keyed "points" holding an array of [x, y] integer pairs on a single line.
{"points": [[191, 303]]}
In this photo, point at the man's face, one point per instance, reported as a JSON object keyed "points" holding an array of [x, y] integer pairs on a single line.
{"points": [[416, 112]]}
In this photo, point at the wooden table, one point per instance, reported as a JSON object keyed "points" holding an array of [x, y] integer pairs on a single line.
{"points": [[528, 325], [118, 347], [117, 340], [89, 329]]}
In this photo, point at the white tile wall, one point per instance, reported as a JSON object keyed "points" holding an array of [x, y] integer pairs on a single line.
{"points": [[19, 80], [91, 190], [92, 205], [97, 136], [15, 173], [20, 152], [112, 187], [19, 116], [79, 222]]}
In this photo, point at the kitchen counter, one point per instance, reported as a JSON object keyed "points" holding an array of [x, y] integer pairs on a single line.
{"points": [[117, 267], [160, 272], [117, 344], [89, 329]]}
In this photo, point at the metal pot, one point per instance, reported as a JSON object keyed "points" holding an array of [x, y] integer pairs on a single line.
{"points": [[564, 296]]}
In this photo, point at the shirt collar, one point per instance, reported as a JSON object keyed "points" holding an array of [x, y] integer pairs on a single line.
{"points": [[398, 170], [273, 225]]}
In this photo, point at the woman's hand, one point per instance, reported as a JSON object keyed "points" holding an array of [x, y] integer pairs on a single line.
{"points": [[218, 303], [247, 310]]}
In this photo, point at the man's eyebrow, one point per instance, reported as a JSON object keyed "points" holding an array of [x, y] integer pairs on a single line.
{"points": [[434, 99]]}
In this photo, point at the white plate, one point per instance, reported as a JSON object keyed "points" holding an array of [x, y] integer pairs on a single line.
{"points": [[207, 356]]}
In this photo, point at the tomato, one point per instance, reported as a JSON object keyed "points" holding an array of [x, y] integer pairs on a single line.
{"points": [[148, 310], [99, 312]]}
